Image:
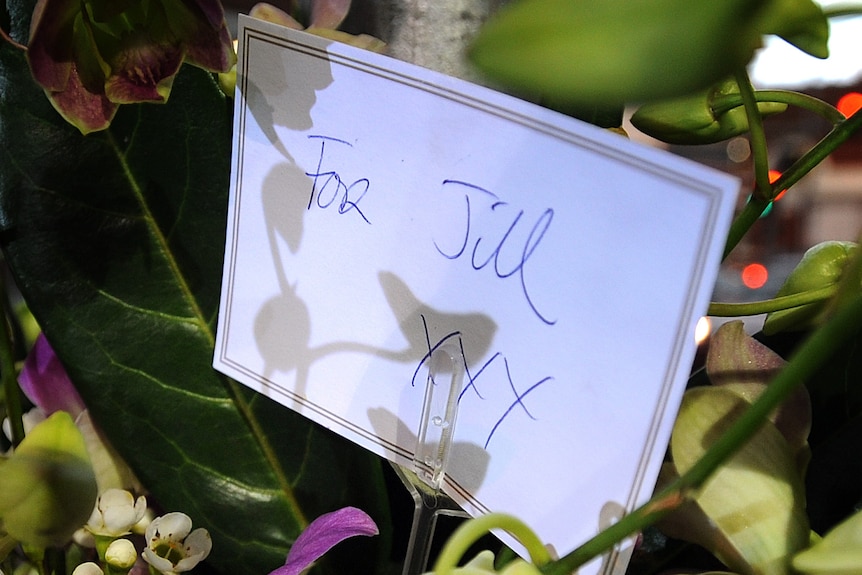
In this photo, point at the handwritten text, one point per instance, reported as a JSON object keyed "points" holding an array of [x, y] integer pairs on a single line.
{"points": [[481, 256]]}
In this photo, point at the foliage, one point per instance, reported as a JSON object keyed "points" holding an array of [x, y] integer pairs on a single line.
{"points": [[116, 240]]}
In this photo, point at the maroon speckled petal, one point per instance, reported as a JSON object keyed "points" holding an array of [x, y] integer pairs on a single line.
{"points": [[51, 45], [86, 110], [143, 71]]}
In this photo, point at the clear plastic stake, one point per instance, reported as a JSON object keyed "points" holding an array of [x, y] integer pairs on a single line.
{"points": [[433, 446]]}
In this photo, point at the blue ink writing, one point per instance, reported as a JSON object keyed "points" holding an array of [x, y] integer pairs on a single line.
{"points": [[473, 378], [481, 257], [339, 190]]}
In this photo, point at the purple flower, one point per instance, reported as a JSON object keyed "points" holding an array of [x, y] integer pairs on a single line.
{"points": [[44, 381], [92, 56], [322, 535]]}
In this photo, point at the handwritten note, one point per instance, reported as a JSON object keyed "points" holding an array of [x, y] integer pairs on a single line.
{"points": [[380, 212]]}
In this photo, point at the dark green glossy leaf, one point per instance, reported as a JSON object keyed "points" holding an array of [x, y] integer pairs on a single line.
{"points": [[608, 52], [116, 240]]}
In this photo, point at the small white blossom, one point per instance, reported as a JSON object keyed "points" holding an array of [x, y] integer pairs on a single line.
{"points": [[116, 512], [84, 538], [88, 568], [172, 547], [121, 554]]}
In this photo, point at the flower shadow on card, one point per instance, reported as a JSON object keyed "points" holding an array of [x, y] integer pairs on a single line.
{"points": [[284, 89], [468, 461], [282, 330]]}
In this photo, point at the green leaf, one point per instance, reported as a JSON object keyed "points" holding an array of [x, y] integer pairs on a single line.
{"points": [[609, 52], [116, 240]]}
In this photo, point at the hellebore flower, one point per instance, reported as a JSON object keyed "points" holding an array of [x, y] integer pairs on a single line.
{"points": [[172, 546], [90, 56], [116, 512], [322, 535]]}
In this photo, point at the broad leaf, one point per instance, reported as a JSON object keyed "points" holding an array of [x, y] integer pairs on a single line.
{"points": [[116, 240]]}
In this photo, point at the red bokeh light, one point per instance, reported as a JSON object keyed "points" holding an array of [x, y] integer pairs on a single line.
{"points": [[754, 276], [773, 176], [849, 103]]}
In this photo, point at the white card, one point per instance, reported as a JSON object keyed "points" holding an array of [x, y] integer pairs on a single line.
{"points": [[379, 210]]}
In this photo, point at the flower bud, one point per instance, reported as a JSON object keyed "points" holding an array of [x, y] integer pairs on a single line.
{"points": [[820, 267], [121, 554], [88, 568], [47, 486], [692, 119]]}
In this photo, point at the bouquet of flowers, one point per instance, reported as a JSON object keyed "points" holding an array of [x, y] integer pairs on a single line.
{"points": [[124, 449]]}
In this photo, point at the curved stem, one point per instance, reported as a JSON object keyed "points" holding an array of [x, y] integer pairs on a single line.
{"points": [[771, 305], [812, 354], [469, 532], [790, 176], [8, 38], [11, 392], [827, 111], [757, 136]]}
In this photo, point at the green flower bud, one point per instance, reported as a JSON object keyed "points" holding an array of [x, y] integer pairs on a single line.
{"points": [[692, 119], [820, 267], [121, 555], [88, 568], [47, 487]]}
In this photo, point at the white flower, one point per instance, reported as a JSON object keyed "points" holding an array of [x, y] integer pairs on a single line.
{"points": [[121, 554], [116, 512], [172, 547], [88, 568]]}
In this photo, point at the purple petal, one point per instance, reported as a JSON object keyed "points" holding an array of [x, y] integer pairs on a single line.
{"points": [[212, 10], [211, 49], [51, 45], [45, 382], [322, 535], [328, 13], [201, 28]]}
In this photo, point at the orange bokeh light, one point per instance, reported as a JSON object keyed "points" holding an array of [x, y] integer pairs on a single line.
{"points": [[773, 176], [754, 276], [849, 103]]}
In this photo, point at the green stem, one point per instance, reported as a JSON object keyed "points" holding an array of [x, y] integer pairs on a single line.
{"points": [[831, 114], [771, 305], [752, 210], [470, 531], [812, 354], [11, 391], [756, 134]]}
